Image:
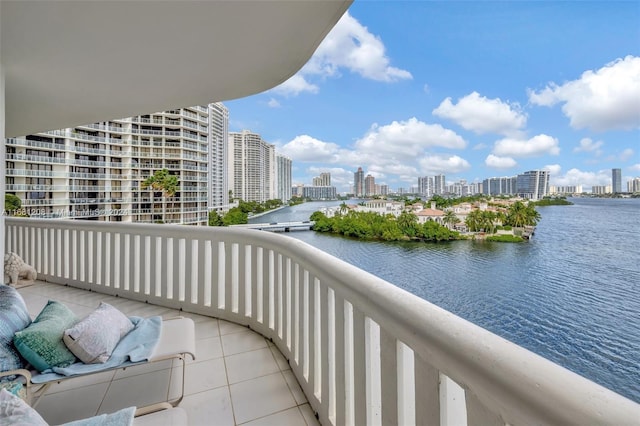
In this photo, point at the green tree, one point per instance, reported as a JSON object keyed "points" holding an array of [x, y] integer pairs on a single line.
{"points": [[235, 216], [450, 219], [12, 203], [215, 219], [408, 224], [343, 208], [487, 221], [474, 220], [164, 182]]}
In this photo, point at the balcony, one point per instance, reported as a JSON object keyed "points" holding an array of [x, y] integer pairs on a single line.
{"points": [[362, 350]]}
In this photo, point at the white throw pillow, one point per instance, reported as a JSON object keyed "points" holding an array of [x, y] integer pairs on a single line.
{"points": [[94, 338], [14, 411]]}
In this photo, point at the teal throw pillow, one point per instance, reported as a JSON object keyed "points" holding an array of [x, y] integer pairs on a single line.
{"points": [[41, 343]]}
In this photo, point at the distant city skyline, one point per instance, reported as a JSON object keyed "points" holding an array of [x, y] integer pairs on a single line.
{"points": [[468, 90]]}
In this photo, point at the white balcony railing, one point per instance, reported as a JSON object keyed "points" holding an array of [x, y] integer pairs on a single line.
{"points": [[363, 350]]}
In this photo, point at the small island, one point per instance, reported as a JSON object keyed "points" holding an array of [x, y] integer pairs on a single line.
{"points": [[472, 218]]}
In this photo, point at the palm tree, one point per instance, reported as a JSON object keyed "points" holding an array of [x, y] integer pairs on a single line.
{"points": [[450, 218], [162, 181], [343, 208], [474, 220], [407, 223], [517, 216], [488, 221]]}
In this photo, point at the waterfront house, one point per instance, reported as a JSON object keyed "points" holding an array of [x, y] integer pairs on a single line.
{"points": [[361, 350], [382, 207], [428, 214]]}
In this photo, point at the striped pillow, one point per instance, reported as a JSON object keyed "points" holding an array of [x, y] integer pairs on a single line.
{"points": [[13, 317]]}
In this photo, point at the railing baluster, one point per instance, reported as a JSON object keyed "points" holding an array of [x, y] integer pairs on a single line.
{"points": [[241, 281], [359, 368], [427, 395], [278, 296], [326, 358], [478, 414], [229, 284], [389, 377], [339, 349], [286, 305], [247, 281]]}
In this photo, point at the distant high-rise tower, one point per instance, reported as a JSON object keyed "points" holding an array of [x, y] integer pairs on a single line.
{"points": [[283, 180], [616, 180], [325, 179], [425, 185], [252, 168], [369, 186], [358, 183], [438, 184], [218, 153]]}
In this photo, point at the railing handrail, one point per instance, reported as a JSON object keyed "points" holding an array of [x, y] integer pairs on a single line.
{"points": [[504, 383]]}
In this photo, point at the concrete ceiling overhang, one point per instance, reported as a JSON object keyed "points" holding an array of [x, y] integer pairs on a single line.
{"points": [[68, 63]]}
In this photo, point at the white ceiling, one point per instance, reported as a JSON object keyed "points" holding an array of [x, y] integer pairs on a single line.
{"points": [[68, 62]]}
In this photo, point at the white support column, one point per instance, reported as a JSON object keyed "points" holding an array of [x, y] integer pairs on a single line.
{"points": [[3, 165]]}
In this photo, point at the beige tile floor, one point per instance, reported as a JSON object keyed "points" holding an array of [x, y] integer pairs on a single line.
{"points": [[238, 377]]}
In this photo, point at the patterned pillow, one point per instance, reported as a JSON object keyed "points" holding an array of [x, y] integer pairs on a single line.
{"points": [[41, 343], [13, 317], [93, 339]]}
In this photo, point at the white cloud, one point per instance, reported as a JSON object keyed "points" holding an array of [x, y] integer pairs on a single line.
{"points": [[437, 164], [579, 177], [553, 169], [536, 146], [635, 167], [482, 115], [348, 46], [273, 103], [426, 88], [626, 154], [479, 146], [407, 139], [308, 149], [588, 145], [294, 86], [500, 162], [605, 99]]}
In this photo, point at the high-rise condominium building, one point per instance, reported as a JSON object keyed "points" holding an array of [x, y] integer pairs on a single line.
{"points": [[533, 184], [96, 171], [323, 180], [252, 167], [499, 185], [369, 186], [218, 153], [616, 180], [425, 186], [439, 184], [633, 185], [358, 183], [283, 181]]}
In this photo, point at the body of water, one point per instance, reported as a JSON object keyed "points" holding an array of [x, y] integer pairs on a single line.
{"points": [[571, 294]]}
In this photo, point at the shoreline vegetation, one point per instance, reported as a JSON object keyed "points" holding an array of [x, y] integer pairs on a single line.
{"points": [[468, 218]]}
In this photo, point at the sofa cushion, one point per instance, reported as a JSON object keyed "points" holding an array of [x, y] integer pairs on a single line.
{"points": [[93, 339], [13, 317], [41, 342]]}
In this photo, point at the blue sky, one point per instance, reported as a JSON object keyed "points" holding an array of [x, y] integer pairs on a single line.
{"points": [[467, 89]]}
